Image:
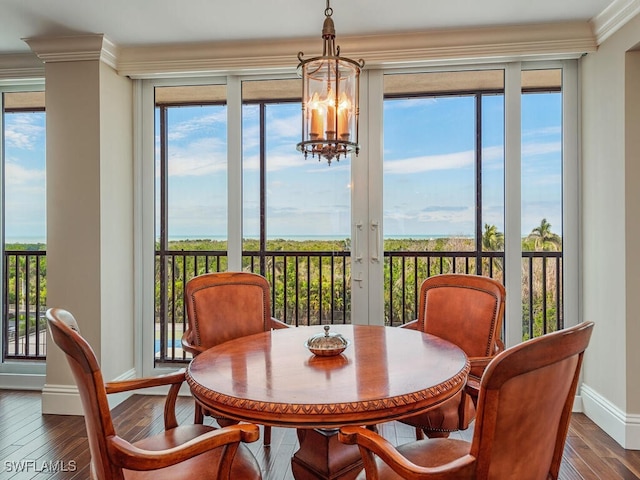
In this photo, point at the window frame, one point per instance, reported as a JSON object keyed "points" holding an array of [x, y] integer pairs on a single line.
{"points": [[19, 374], [362, 173]]}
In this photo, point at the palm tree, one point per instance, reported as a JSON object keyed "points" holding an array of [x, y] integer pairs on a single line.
{"points": [[492, 239], [544, 239]]}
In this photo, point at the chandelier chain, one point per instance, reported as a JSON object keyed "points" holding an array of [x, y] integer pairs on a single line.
{"points": [[328, 11]]}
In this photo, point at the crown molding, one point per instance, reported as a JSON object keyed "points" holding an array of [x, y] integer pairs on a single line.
{"points": [[614, 17], [20, 66], [560, 40], [73, 48], [454, 46]]}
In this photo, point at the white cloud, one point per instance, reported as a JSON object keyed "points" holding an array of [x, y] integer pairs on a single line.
{"points": [[540, 148], [448, 215], [407, 103], [542, 132], [429, 163], [197, 123], [455, 160], [23, 133], [18, 175], [287, 127], [491, 154], [203, 157]]}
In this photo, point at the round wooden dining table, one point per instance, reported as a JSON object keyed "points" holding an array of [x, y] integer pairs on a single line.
{"points": [[271, 378]]}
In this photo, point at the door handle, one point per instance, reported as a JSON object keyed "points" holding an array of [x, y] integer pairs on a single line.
{"points": [[358, 252], [375, 227]]}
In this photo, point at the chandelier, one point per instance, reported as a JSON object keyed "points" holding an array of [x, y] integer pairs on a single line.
{"points": [[330, 91]]}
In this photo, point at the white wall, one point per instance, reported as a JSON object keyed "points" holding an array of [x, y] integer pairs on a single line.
{"points": [[116, 223], [89, 209], [611, 392], [73, 220]]}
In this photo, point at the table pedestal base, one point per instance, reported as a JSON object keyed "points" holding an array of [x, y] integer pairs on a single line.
{"points": [[322, 457]]}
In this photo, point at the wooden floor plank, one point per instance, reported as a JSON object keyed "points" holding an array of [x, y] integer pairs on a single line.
{"points": [[26, 434]]}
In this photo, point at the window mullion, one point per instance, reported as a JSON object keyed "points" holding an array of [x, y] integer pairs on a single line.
{"points": [[513, 203], [234, 172]]}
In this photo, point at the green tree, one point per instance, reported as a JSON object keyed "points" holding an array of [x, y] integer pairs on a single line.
{"points": [[492, 239], [544, 239]]}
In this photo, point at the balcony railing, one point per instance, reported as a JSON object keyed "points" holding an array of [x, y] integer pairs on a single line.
{"points": [[24, 302], [311, 288], [308, 288]]}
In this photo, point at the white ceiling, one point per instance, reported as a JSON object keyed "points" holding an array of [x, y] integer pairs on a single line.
{"points": [[153, 22]]}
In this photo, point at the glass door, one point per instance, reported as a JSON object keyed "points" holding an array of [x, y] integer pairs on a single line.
{"points": [[443, 175], [296, 211], [459, 171]]}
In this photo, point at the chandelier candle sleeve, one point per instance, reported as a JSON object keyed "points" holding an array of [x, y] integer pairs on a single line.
{"points": [[331, 121], [343, 121], [316, 124]]}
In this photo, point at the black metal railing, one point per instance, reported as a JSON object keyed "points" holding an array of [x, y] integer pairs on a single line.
{"points": [[542, 293], [311, 288], [405, 271], [24, 302], [307, 288]]}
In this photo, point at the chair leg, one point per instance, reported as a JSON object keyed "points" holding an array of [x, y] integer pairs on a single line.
{"points": [[267, 436], [198, 414], [419, 434]]}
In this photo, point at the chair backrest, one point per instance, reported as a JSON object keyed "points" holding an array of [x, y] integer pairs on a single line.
{"points": [[525, 403], [466, 310], [227, 305], [88, 377]]}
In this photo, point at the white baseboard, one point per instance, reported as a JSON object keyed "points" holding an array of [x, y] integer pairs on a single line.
{"points": [[578, 407], [65, 399], [61, 400], [22, 381], [622, 427]]}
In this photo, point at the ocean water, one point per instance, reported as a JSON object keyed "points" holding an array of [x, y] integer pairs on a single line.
{"points": [[39, 239], [318, 237], [26, 239]]}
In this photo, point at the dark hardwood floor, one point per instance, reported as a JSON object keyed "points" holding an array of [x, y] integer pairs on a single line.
{"points": [[55, 447]]}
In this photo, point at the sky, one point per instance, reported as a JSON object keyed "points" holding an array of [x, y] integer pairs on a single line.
{"points": [[428, 171], [24, 173]]}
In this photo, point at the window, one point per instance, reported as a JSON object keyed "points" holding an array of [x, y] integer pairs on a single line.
{"points": [[231, 189], [190, 201], [542, 216], [443, 181], [24, 225], [296, 213]]}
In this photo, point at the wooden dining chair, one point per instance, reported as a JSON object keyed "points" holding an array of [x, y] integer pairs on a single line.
{"points": [[179, 453], [224, 306], [524, 409], [466, 310]]}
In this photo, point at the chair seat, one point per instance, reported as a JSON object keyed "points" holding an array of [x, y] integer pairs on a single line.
{"points": [[430, 452], [454, 414], [244, 463]]}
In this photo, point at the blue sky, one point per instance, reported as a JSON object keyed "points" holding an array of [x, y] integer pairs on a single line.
{"points": [[428, 171], [25, 193]]}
